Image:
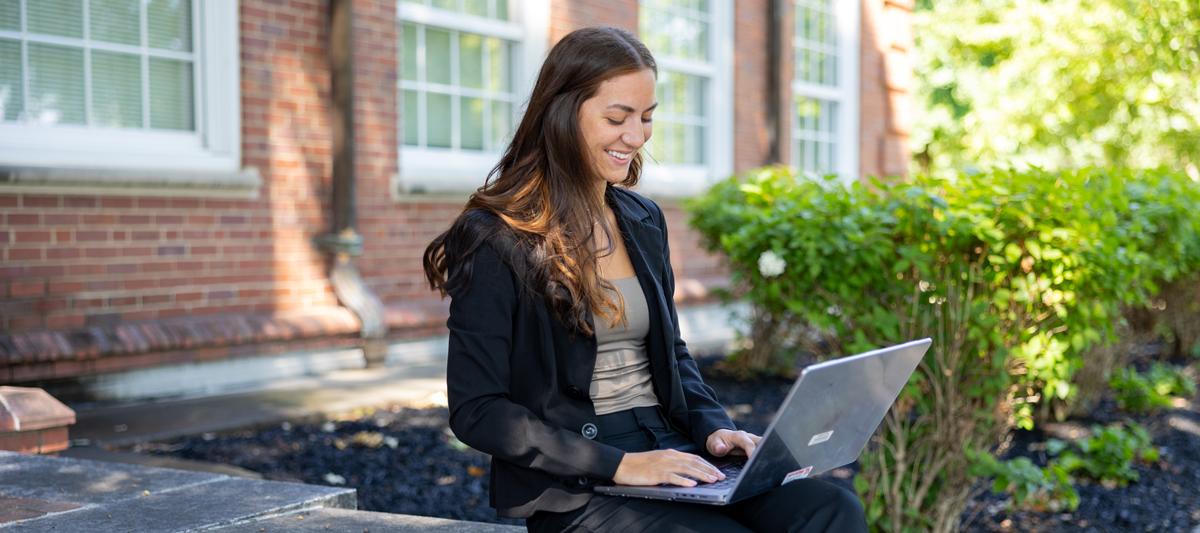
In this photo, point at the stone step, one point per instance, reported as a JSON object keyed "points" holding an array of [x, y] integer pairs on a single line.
{"points": [[325, 520], [41, 493]]}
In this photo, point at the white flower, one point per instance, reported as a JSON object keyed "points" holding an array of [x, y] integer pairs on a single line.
{"points": [[770, 265], [334, 479], [391, 442]]}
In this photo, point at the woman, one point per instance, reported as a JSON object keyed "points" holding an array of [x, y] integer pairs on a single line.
{"points": [[565, 361]]}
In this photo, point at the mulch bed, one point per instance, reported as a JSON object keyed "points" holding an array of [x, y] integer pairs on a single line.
{"points": [[407, 461]]}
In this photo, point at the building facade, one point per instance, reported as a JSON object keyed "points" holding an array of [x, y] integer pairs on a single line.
{"points": [[170, 170]]}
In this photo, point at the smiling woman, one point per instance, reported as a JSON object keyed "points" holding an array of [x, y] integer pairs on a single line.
{"points": [[565, 361]]}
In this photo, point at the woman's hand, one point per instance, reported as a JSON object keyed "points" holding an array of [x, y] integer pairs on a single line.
{"points": [[724, 442], [665, 466]]}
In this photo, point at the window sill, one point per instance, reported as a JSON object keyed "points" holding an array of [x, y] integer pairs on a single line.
{"points": [[130, 182]]}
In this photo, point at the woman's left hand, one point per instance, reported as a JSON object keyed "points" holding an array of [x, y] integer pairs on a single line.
{"points": [[724, 442]]}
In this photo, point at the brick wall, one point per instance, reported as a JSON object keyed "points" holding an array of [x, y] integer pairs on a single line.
{"points": [[569, 15], [83, 260], [79, 260], [886, 105]]}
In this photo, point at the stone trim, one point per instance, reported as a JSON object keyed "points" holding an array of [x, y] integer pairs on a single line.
{"points": [[171, 334]]}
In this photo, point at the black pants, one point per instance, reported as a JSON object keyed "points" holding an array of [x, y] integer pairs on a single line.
{"points": [[808, 505]]}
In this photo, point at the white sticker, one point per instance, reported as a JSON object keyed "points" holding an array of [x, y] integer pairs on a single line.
{"points": [[820, 437], [799, 474]]}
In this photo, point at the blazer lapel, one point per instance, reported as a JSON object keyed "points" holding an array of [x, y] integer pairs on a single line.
{"points": [[644, 243]]}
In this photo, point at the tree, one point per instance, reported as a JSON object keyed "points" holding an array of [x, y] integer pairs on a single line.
{"points": [[1057, 84]]}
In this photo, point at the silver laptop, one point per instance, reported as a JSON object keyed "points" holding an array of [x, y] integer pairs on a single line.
{"points": [[825, 422]]}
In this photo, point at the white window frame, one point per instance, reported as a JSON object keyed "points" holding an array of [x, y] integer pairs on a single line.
{"points": [[444, 170], [846, 94], [680, 180], [36, 157]]}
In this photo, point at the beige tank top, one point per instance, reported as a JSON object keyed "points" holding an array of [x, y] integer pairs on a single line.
{"points": [[621, 379]]}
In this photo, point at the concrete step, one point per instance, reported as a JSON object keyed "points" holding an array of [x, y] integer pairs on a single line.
{"points": [[326, 520], [42, 493]]}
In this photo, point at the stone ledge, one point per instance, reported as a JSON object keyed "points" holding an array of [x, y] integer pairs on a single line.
{"points": [[327, 519], [172, 334]]}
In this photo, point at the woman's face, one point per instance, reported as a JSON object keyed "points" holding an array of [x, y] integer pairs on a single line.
{"points": [[616, 122]]}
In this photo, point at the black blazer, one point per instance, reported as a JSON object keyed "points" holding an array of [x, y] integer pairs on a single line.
{"points": [[518, 380]]}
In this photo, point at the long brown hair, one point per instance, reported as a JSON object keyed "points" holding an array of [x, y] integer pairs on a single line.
{"points": [[538, 207]]}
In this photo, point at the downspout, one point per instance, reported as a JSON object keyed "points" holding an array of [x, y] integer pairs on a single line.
{"points": [[344, 243], [775, 106]]}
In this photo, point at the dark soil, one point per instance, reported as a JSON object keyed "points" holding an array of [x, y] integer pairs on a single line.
{"points": [[407, 461]]}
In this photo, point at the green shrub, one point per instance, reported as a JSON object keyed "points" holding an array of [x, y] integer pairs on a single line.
{"points": [[1030, 487], [1015, 275], [1108, 456], [1140, 393]]}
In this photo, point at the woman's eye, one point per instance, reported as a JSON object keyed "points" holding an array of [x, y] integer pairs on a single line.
{"points": [[615, 122], [647, 120]]}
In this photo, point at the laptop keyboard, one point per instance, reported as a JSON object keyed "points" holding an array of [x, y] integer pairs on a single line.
{"points": [[731, 474]]}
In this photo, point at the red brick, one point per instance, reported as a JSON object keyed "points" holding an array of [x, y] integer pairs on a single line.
{"points": [[79, 201], [8, 201], [52, 219], [134, 219], [41, 201], [27, 288], [118, 202], [151, 235], [91, 235], [65, 322], [33, 236], [64, 287], [24, 254], [23, 219], [101, 252]]}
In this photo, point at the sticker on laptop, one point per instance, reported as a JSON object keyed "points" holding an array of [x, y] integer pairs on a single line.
{"points": [[799, 474], [820, 437]]}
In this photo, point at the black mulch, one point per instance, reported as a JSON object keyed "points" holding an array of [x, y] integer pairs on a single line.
{"points": [[407, 461]]}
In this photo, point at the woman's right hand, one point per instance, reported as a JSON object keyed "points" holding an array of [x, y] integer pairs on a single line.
{"points": [[665, 466]]}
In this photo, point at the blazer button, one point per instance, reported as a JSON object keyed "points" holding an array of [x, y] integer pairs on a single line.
{"points": [[582, 481], [589, 430]]}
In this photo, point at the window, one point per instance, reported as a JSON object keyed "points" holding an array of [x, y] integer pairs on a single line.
{"points": [[462, 79], [692, 143], [120, 85], [824, 87]]}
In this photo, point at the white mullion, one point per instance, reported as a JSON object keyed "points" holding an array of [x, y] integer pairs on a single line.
{"points": [[812, 90], [459, 91], [24, 64], [144, 60], [88, 119], [422, 100], [459, 21], [455, 99], [199, 73], [486, 69], [686, 66], [76, 42]]}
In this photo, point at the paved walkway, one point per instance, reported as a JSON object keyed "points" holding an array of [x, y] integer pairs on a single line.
{"points": [[92, 488]]}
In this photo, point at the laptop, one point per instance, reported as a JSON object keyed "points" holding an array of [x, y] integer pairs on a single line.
{"points": [[825, 422]]}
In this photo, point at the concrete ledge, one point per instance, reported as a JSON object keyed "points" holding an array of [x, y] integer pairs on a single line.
{"points": [[343, 520], [58, 494]]}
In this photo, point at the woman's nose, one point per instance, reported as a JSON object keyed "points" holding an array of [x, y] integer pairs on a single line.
{"points": [[634, 138]]}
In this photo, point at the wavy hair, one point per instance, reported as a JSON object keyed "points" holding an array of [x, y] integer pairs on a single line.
{"points": [[538, 207]]}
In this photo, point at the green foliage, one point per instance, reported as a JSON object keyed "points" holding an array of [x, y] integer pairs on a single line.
{"points": [[1108, 456], [1030, 487], [1016, 275], [1141, 393], [1057, 85]]}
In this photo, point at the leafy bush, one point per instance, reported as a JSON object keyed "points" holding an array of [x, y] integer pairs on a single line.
{"points": [[1151, 391], [1016, 276], [1107, 456], [1032, 488]]}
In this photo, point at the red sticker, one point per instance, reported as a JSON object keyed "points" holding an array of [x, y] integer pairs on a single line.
{"points": [[799, 474]]}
